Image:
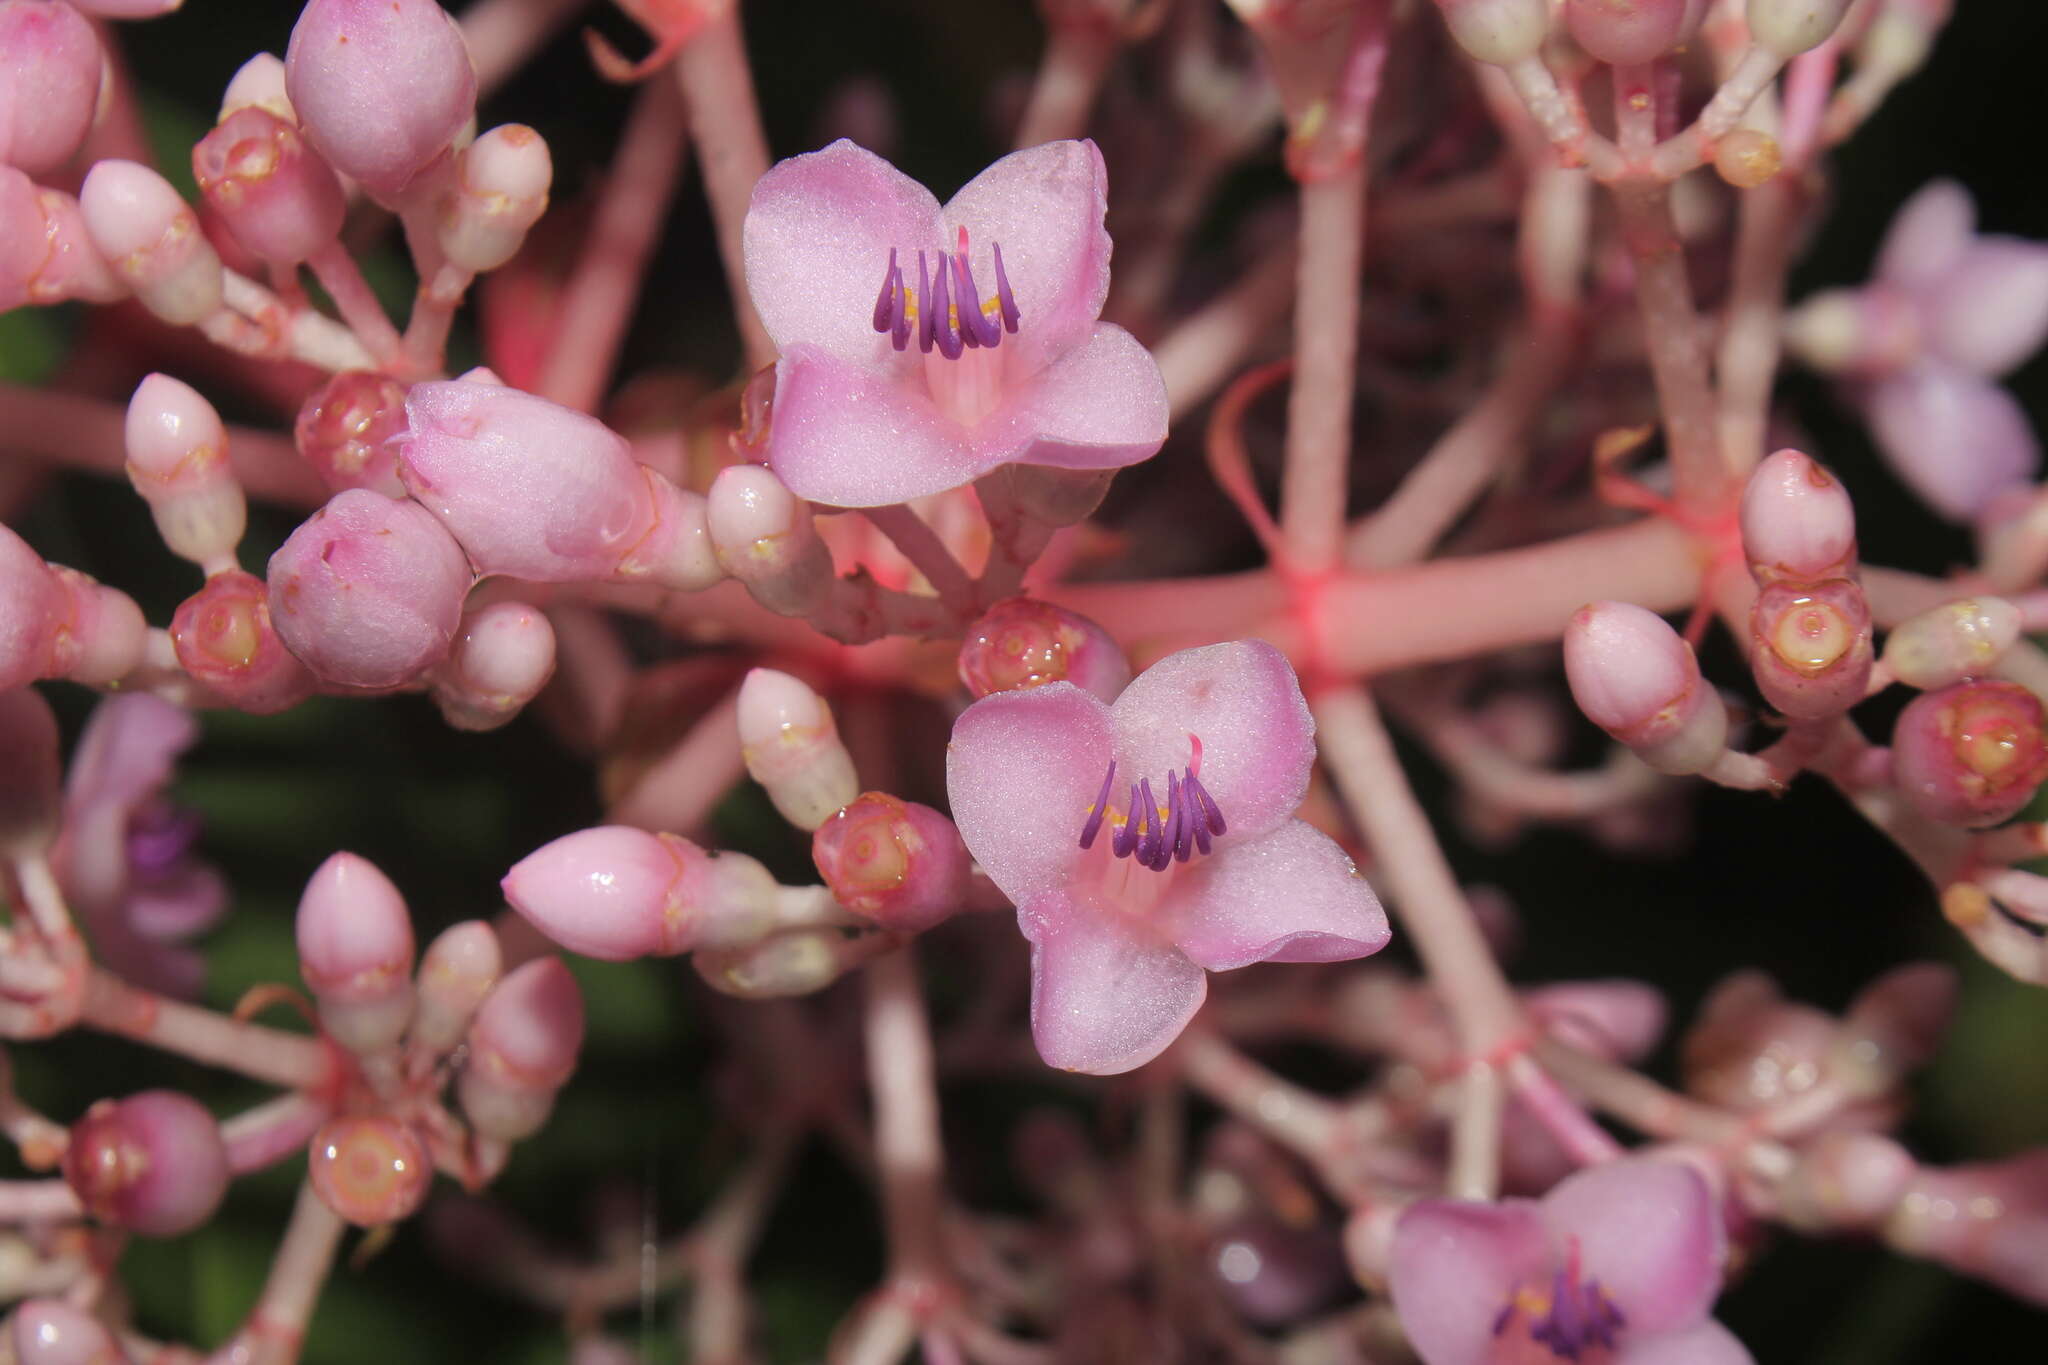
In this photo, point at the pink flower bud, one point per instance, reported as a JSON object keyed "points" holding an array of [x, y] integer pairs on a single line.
{"points": [[369, 590], [33, 606], [617, 893], [49, 83], [1847, 1182], [274, 192], [46, 255], [1502, 32], [1617, 1020], [1786, 28], [781, 966], [1987, 1220], [258, 84], [501, 657], [152, 240], [382, 87], [356, 952], [501, 190], [459, 969], [1970, 754], [1894, 1027], [897, 863], [178, 462], [676, 552], [102, 635], [152, 1163], [529, 487], [522, 1048], [1953, 641], [224, 639], [764, 537], [1797, 521], [1810, 647], [1637, 680], [347, 428], [1023, 642], [1750, 1049], [53, 1332], [369, 1169], [29, 801], [1629, 32], [792, 748]]}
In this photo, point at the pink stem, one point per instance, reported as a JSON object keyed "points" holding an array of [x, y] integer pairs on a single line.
{"points": [[1070, 73], [39, 1201], [929, 555], [679, 791], [502, 34], [725, 124], [1585, 1141], [276, 1329], [908, 1151], [343, 280], [264, 1054], [261, 1137], [1201, 352], [1326, 287]]}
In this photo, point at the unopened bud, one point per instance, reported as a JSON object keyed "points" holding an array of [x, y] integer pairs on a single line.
{"points": [[1636, 679], [153, 1163], [676, 552], [792, 748], [32, 608], [789, 964], [1023, 642], [258, 84], [1894, 1027], [617, 893], [50, 66], [53, 1332], [1847, 1182], [522, 1049], [1797, 521], [459, 969], [178, 462], [276, 195], [1619, 1021], [501, 657], [1751, 1049], [356, 952], [152, 240], [501, 190], [1986, 1220], [1746, 158], [347, 428], [102, 636], [1630, 32], [30, 805], [1810, 647], [369, 1169], [46, 255], [763, 536], [1953, 641], [895, 862], [1787, 28], [1970, 754], [1502, 32], [224, 638]]}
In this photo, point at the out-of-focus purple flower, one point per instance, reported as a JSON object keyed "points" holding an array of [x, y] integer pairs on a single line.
{"points": [[1618, 1264], [1130, 892], [125, 856], [923, 347]]}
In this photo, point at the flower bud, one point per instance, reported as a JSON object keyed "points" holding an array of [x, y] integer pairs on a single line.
{"points": [[1023, 642], [258, 84], [382, 87], [1862, 332], [764, 537], [1987, 1220], [792, 748], [33, 605], [895, 862], [776, 968], [1953, 641], [275, 194], [152, 1163], [1747, 158], [30, 806], [1970, 754], [369, 1169], [501, 657], [1630, 32], [178, 462], [1502, 32], [522, 1048], [501, 190], [53, 1332], [102, 636], [224, 638], [1637, 680], [368, 592], [1810, 647], [459, 969], [1751, 1049], [46, 255], [617, 893], [1847, 1182], [356, 953], [49, 83], [1786, 28], [676, 552], [347, 428], [1894, 1027], [152, 240], [1797, 521], [1619, 1021]]}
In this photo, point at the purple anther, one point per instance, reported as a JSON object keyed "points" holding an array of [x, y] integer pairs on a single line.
{"points": [[1180, 833], [924, 304], [945, 331], [890, 301], [1100, 810], [159, 835], [1148, 834], [976, 327], [899, 335], [1004, 298], [1212, 815], [1134, 825]]}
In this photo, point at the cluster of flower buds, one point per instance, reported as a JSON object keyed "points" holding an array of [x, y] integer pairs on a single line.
{"points": [[1810, 634]]}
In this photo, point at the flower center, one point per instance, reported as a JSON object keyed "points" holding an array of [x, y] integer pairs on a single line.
{"points": [[1574, 1320], [957, 329], [1153, 835]]}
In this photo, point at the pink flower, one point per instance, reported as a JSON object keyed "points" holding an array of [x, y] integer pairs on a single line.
{"points": [[1149, 842], [888, 388], [1618, 1265]]}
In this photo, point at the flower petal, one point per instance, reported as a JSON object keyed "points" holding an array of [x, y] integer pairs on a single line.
{"points": [[1454, 1266], [1928, 235], [1021, 772], [1100, 406], [127, 750], [1956, 439], [816, 242], [1989, 312], [1044, 206], [1291, 895], [1106, 997], [849, 437], [1707, 1344], [1241, 699], [1649, 1232]]}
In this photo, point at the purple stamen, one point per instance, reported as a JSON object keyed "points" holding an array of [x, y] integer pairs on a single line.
{"points": [[1134, 824], [890, 300], [1178, 831], [1148, 842], [1101, 809], [1155, 838], [1212, 814], [924, 310], [899, 335], [976, 327], [1580, 1317], [159, 836], [1004, 298], [944, 330], [947, 303]]}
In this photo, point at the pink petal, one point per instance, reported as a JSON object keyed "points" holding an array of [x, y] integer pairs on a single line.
{"points": [[1989, 312], [849, 437], [1044, 206], [186, 900], [1022, 771], [817, 241], [1291, 895], [1243, 702], [1929, 234], [1954, 438], [1105, 996], [1707, 1344], [1649, 1232], [1099, 406], [1454, 1266], [127, 750]]}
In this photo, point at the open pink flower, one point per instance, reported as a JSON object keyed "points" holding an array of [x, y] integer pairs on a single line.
{"points": [[1149, 842], [922, 347], [1618, 1265]]}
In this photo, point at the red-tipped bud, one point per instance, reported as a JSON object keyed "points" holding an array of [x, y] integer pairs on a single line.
{"points": [[1786, 28], [1023, 642], [763, 536], [274, 192], [30, 803], [459, 969], [258, 84], [152, 240], [1810, 647], [1953, 641], [178, 462], [1636, 679], [32, 608], [1894, 1026], [102, 636], [522, 1048], [1617, 1020], [1847, 1182], [346, 429], [53, 1332], [792, 748], [1502, 32], [501, 657], [49, 83], [46, 255], [895, 862], [616, 893], [1970, 754], [152, 1163], [1630, 32], [1987, 1220], [501, 190], [1797, 521], [369, 1169], [368, 592], [224, 639], [356, 952]]}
